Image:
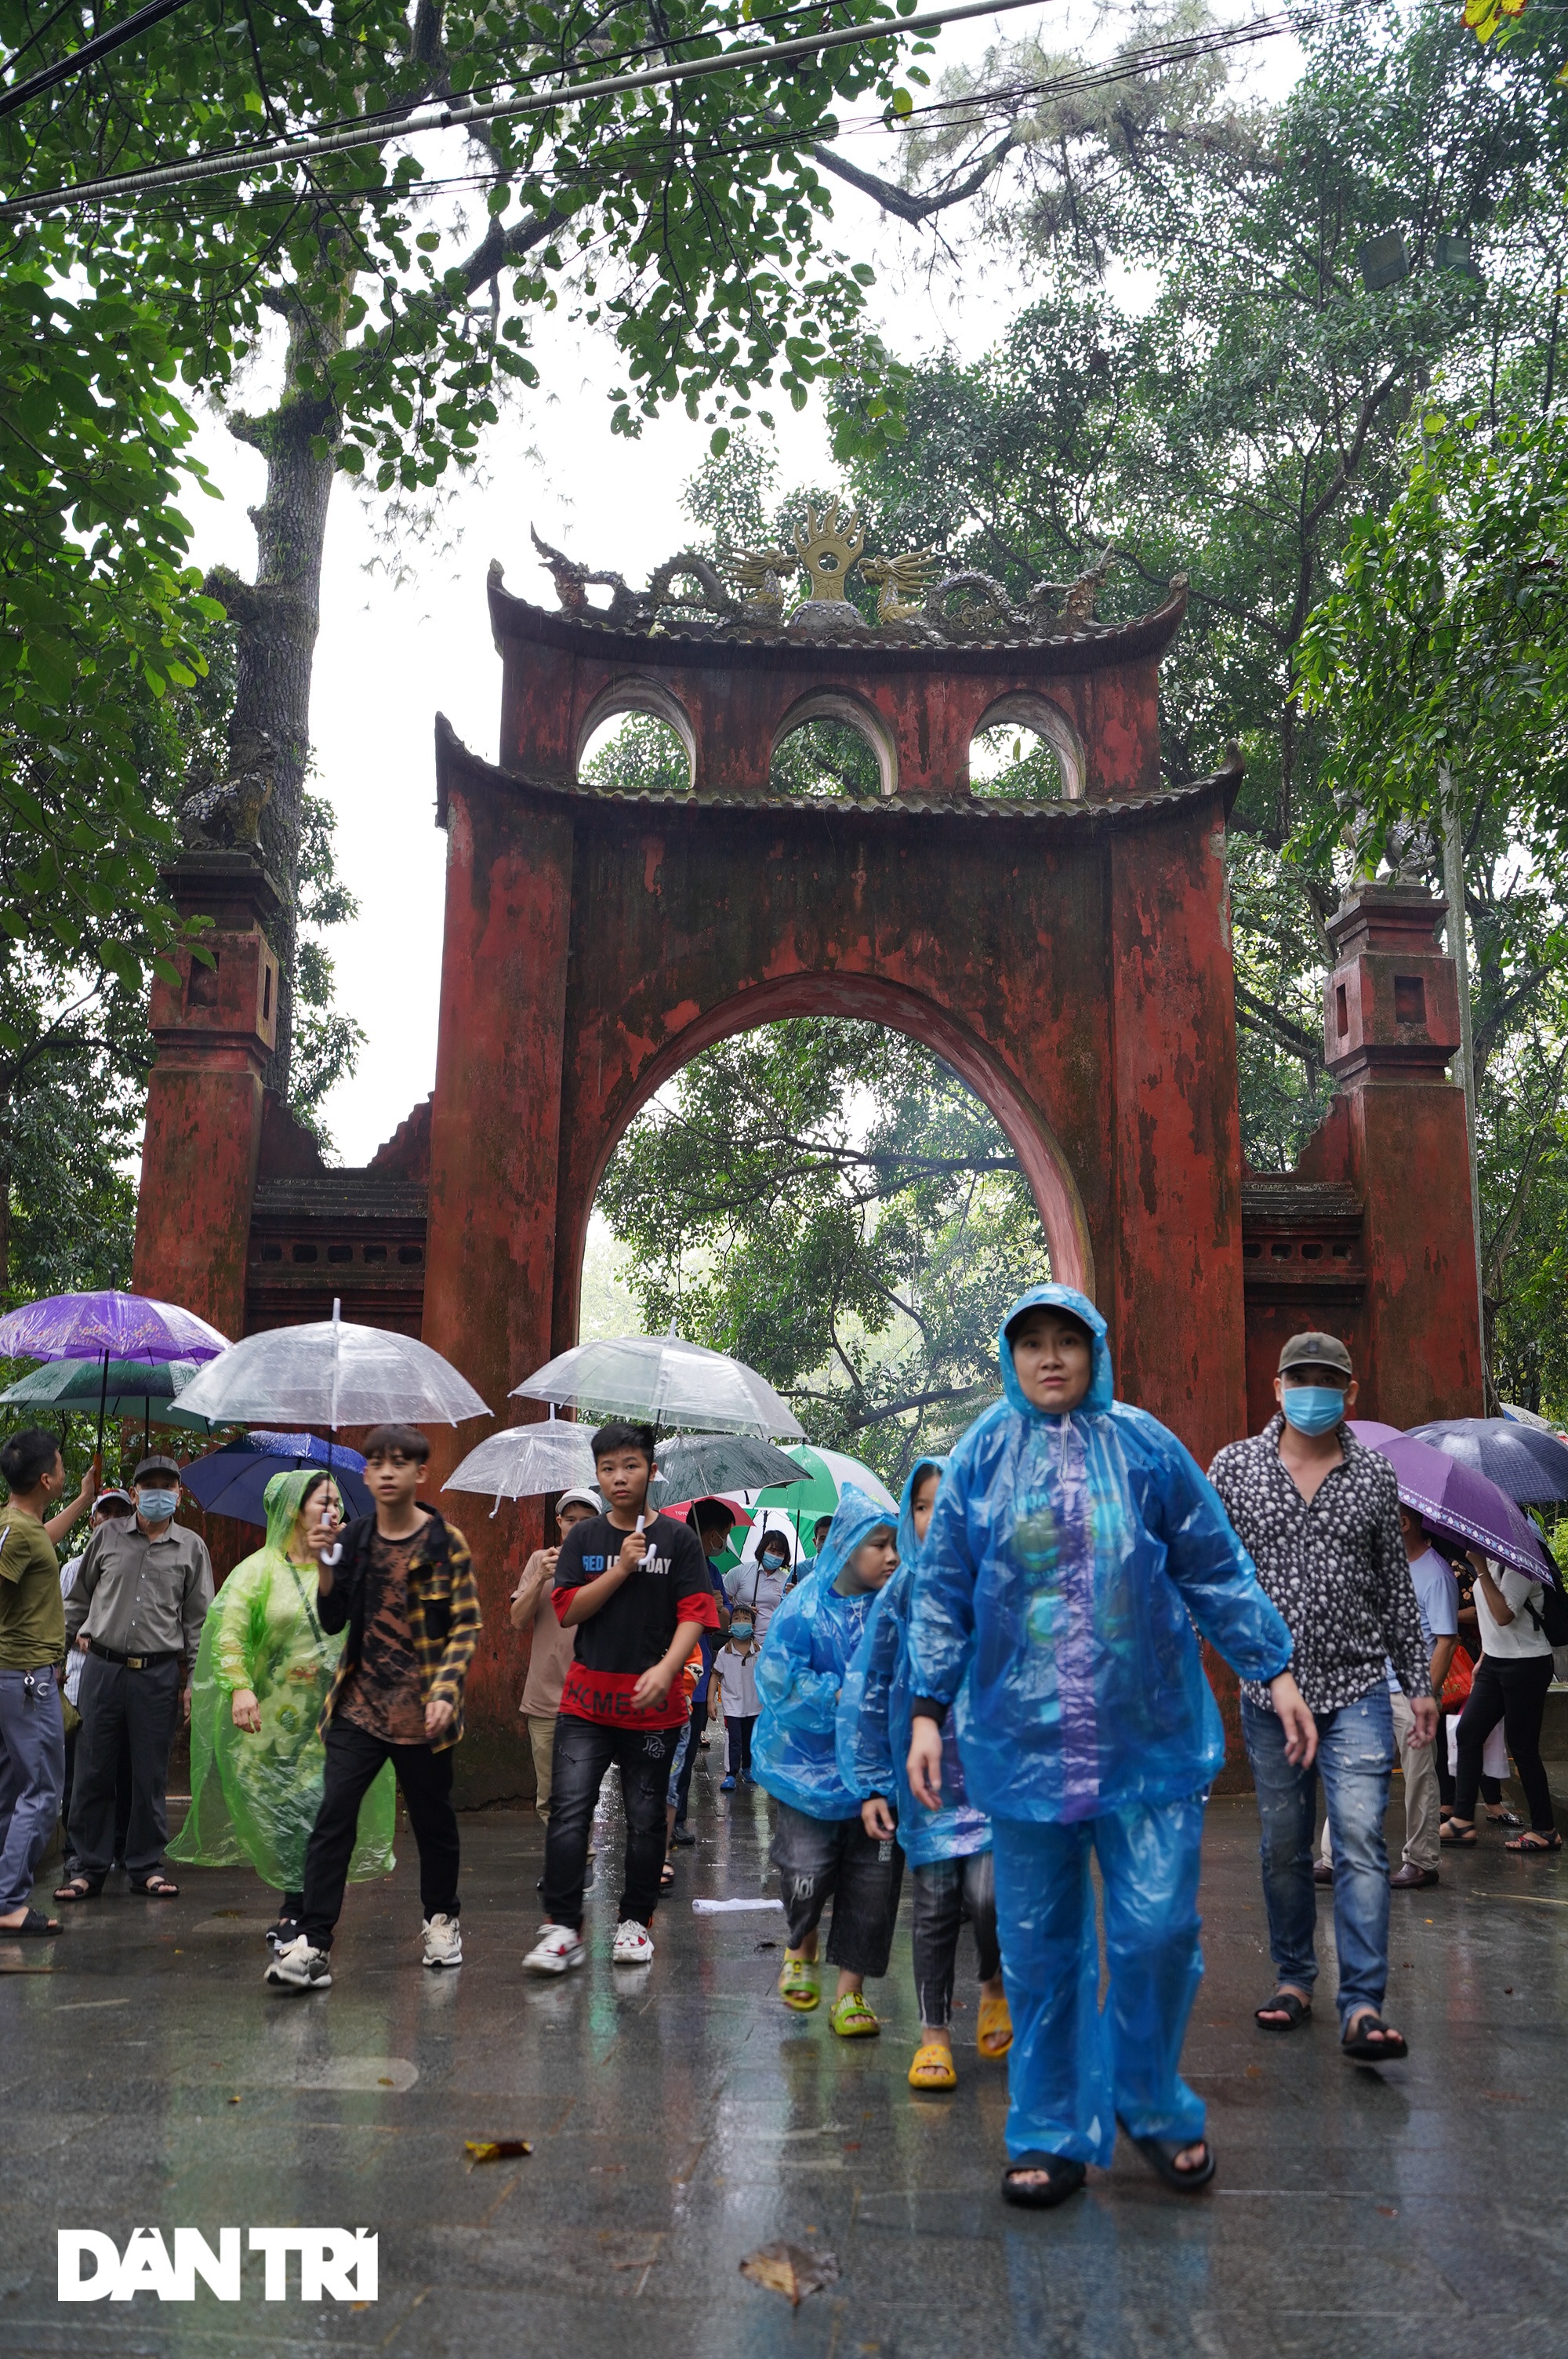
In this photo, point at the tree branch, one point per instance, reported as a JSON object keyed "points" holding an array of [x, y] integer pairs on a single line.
{"points": [[903, 201]]}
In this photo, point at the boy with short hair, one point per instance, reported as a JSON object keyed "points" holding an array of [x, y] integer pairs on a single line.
{"points": [[819, 1846], [1075, 1546], [401, 1583], [734, 1693], [635, 1590]]}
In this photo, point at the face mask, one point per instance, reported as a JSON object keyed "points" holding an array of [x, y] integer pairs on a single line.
{"points": [[157, 1506], [742, 1630], [1313, 1408], [774, 1563]]}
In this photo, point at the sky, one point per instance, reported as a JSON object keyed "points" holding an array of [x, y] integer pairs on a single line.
{"points": [[405, 632]]}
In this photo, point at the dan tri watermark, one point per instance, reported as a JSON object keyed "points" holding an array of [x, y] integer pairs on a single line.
{"points": [[334, 2264]]}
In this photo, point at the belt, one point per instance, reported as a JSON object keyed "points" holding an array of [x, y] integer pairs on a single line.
{"points": [[129, 1662]]}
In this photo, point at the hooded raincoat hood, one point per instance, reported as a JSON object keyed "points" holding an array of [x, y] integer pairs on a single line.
{"points": [[810, 1642], [1068, 1561], [255, 1797], [875, 1714]]}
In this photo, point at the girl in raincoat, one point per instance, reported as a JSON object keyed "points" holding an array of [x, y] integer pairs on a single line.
{"points": [[819, 1847], [949, 1849], [262, 1673], [1075, 1546]]}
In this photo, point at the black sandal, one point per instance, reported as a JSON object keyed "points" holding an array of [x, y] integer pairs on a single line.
{"points": [[1161, 2154], [1285, 2003], [667, 1875], [1061, 2177], [1363, 2050], [34, 1927], [1461, 1833], [79, 1887], [1535, 1839], [156, 1887]]}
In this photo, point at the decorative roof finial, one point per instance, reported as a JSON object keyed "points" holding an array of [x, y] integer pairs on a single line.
{"points": [[829, 547]]}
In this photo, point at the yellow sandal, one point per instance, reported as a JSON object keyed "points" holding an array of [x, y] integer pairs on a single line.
{"points": [[993, 2037], [800, 1983], [933, 2067], [852, 2018]]}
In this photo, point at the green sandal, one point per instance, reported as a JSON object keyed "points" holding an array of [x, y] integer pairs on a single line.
{"points": [[851, 2018], [799, 1984]]}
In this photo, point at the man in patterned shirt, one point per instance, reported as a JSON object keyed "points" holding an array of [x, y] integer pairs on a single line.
{"points": [[1319, 1515]]}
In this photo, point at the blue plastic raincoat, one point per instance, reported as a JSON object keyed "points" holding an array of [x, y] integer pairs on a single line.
{"points": [[875, 1716], [811, 1641], [1066, 1564]]}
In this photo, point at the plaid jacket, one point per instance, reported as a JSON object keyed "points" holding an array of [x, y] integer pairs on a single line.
{"points": [[443, 1613]]}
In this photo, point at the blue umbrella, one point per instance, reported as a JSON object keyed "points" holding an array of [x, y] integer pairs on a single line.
{"points": [[231, 1480]]}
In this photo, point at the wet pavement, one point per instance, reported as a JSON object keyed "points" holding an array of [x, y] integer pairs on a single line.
{"points": [[680, 2117]]}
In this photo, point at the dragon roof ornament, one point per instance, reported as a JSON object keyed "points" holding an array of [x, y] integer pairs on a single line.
{"points": [[748, 593]]}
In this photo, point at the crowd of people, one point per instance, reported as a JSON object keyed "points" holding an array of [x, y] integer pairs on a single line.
{"points": [[998, 1688]]}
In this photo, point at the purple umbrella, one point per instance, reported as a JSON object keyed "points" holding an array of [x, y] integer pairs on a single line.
{"points": [[1456, 1500], [121, 1326]]}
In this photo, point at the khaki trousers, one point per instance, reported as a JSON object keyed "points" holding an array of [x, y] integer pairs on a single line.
{"points": [[542, 1739]]}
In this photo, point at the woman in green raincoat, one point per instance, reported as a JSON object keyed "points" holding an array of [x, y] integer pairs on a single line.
{"points": [[262, 1674]]}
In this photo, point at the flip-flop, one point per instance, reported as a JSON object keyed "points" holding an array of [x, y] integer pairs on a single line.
{"points": [[993, 2034], [1284, 2002], [1363, 2051], [34, 1927], [156, 1887], [79, 1887], [933, 2067], [1161, 2154], [1062, 2176], [852, 2018], [1535, 1839]]}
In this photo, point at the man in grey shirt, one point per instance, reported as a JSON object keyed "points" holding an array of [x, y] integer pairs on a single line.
{"points": [[136, 1611]]}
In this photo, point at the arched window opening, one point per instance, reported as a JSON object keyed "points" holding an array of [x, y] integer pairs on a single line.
{"points": [[636, 754], [827, 1199], [831, 745], [1015, 764]]}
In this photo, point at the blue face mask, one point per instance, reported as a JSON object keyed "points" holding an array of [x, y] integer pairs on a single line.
{"points": [[157, 1506], [1313, 1408]]}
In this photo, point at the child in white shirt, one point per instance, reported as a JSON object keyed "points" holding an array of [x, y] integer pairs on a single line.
{"points": [[733, 1691]]}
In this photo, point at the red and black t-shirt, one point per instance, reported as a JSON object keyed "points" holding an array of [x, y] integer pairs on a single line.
{"points": [[632, 1629]]}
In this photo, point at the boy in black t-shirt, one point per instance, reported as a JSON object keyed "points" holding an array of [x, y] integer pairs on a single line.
{"points": [[636, 1591]]}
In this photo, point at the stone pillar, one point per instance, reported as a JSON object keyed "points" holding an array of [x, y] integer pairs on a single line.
{"points": [[214, 1028], [1391, 1028]]}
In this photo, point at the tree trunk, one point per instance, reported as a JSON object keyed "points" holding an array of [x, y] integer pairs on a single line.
{"points": [[278, 617]]}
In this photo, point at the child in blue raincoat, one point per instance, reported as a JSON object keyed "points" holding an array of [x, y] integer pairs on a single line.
{"points": [[820, 1848], [949, 1849], [1075, 1546]]}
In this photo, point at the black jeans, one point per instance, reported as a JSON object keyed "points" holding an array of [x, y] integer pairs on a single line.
{"points": [[947, 1892], [683, 1783], [738, 1733], [1491, 1789], [122, 1710], [584, 1751], [353, 1762], [1512, 1688], [817, 1858]]}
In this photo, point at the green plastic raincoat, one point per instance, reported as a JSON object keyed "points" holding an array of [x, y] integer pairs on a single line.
{"points": [[256, 1797]]}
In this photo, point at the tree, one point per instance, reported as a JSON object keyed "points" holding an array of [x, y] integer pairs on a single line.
{"points": [[687, 221], [827, 1200]]}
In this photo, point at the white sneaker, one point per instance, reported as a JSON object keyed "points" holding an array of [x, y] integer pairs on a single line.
{"points": [[299, 1967], [556, 1951], [443, 1941], [634, 1944]]}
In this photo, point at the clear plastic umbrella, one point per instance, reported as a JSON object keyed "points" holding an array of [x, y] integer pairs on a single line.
{"points": [[666, 1381], [526, 1460], [331, 1373]]}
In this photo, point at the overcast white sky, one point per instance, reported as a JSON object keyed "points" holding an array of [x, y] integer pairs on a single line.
{"points": [[391, 656]]}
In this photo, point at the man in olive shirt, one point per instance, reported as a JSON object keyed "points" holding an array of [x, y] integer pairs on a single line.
{"points": [[137, 1608], [32, 1657]]}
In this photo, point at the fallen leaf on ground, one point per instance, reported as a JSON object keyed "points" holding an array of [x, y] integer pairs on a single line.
{"points": [[496, 2149], [792, 2269]]}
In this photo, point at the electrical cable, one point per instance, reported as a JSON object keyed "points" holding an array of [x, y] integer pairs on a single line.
{"points": [[446, 114], [100, 45]]}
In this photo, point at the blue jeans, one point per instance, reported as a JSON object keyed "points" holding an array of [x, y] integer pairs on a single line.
{"points": [[1354, 1756], [1075, 2069], [32, 1777]]}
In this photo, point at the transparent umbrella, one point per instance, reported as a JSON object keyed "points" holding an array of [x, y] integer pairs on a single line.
{"points": [[526, 1461], [666, 1381], [332, 1373]]}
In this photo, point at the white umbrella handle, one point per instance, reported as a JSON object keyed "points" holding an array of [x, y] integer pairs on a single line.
{"points": [[337, 1332]]}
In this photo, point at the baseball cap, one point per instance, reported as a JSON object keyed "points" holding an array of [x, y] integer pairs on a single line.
{"points": [[588, 1499], [1314, 1350], [150, 1466], [111, 1494]]}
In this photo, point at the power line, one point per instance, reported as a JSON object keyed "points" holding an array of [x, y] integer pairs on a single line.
{"points": [[88, 54], [446, 114]]}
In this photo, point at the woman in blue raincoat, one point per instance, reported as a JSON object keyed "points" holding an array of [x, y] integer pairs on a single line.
{"points": [[1075, 1546], [820, 1848], [949, 1849]]}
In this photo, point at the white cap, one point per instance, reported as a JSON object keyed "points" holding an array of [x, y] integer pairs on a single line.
{"points": [[583, 1498]]}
